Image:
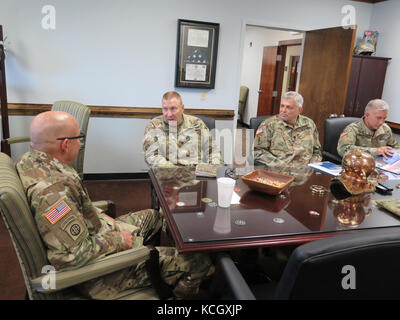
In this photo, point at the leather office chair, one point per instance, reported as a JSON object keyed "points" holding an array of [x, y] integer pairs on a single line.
{"points": [[244, 92], [210, 122], [256, 121], [333, 127], [359, 265], [82, 114], [32, 256]]}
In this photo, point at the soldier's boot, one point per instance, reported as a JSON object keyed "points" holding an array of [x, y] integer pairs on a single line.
{"points": [[163, 290]]}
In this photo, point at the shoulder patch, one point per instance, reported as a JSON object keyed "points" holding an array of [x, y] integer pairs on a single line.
{"points": [[57, 212], [259, 130]]}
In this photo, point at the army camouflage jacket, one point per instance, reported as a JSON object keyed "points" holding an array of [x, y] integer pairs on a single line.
{"points": [[72, 228], [278, 143], [357, 134], [188, 143]]}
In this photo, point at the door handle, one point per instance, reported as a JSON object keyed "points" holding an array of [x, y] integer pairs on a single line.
{"points": [[260, 91]]}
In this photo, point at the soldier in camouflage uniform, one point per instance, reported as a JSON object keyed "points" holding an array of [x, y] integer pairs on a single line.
{"points": [[175, 138], [76, 233], [287, 138], [371, 133]]}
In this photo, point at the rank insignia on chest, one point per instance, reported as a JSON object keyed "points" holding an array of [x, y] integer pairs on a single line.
{"points": [[57, 212]]}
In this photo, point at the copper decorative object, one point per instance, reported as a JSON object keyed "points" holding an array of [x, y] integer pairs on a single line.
{"points": [[358, 172]]}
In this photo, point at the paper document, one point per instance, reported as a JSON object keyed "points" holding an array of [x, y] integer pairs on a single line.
{"points": [[391, 164], [235, 198], [328, 167]]}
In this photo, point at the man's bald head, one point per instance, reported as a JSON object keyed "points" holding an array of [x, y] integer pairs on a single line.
{"points": [[46, 127]]}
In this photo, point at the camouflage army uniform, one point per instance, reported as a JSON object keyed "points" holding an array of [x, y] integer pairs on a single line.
{"points": [[76, 233], [188, 143], [358, 134], [278, 143]]}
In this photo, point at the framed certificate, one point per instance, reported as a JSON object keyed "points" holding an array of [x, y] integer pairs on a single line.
{"points": [[196, 54]]}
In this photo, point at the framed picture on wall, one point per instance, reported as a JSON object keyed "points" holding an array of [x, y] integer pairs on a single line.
{"points": [[196, 54]]}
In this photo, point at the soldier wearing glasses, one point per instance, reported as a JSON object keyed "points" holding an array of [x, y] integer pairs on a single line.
{"points": [[75, 232]]}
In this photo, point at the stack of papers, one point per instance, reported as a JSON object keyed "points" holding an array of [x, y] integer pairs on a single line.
{"points": [[391, 164], [328, 167]]}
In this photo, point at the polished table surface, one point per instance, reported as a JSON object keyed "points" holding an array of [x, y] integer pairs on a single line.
{"points": [[296, 216]]}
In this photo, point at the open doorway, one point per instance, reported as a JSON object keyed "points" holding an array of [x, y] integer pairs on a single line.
{"points": [[270, 67]]}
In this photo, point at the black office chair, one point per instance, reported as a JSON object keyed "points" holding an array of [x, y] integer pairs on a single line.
{"points": [[333, 127], [255, 122], [210, 122], [359, 265]]}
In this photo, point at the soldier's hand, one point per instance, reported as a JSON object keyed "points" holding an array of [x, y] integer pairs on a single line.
{"points": [[128, 239], [385, 151]]}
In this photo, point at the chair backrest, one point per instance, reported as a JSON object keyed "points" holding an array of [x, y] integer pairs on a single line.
{"points": [[359, 265], [210, 122], [256, 121], [244, 92], [333, 127], [81, 113], [20, 223]]}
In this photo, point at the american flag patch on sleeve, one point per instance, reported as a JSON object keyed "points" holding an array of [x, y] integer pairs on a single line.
{"points": [[57, 212]]}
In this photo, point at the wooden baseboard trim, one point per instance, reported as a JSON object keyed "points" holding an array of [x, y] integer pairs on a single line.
{"points": [[29, 109]]}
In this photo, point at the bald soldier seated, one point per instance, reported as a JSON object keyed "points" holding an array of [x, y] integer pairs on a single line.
{"points": [[288, 138], [75, 232], [175, 138], [371, 133]]}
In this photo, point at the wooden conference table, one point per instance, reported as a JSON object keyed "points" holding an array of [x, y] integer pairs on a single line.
{"points": [[256, 219]]}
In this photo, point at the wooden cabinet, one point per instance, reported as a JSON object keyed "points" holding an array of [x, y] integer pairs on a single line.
{"points": [[367, 77]]}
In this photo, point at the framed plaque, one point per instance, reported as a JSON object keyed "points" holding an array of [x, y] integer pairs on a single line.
{"points": [[196, 54]]}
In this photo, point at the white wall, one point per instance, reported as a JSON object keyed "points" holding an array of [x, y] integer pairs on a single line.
{"points": [[256, 38], [385, 19], [122, 53]]}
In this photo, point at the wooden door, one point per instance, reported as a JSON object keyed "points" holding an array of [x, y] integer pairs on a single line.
{"points": [[352, 88], [325, 72], [267, 81], [370, 83]]}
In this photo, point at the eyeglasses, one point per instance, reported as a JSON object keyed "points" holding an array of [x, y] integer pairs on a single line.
{"points": [[81, 137]]}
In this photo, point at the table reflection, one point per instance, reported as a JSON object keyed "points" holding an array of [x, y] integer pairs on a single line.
{"points": [[197, 223], [351, 212]]}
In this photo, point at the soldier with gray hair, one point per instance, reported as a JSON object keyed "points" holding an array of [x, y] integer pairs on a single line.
{"points": [[371, 133], [288, 138], [76, 233]]}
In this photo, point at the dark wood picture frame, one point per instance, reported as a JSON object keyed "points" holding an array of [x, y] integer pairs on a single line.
{"points": [[196, 54]]}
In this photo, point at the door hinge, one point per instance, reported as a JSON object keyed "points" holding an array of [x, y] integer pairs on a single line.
{"points": [[274, 93], [279, 57]]}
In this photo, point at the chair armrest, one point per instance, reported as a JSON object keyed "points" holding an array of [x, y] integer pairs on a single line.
{"points": [[234, 278], [107, 206], [18, 139], [98, 268]]}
